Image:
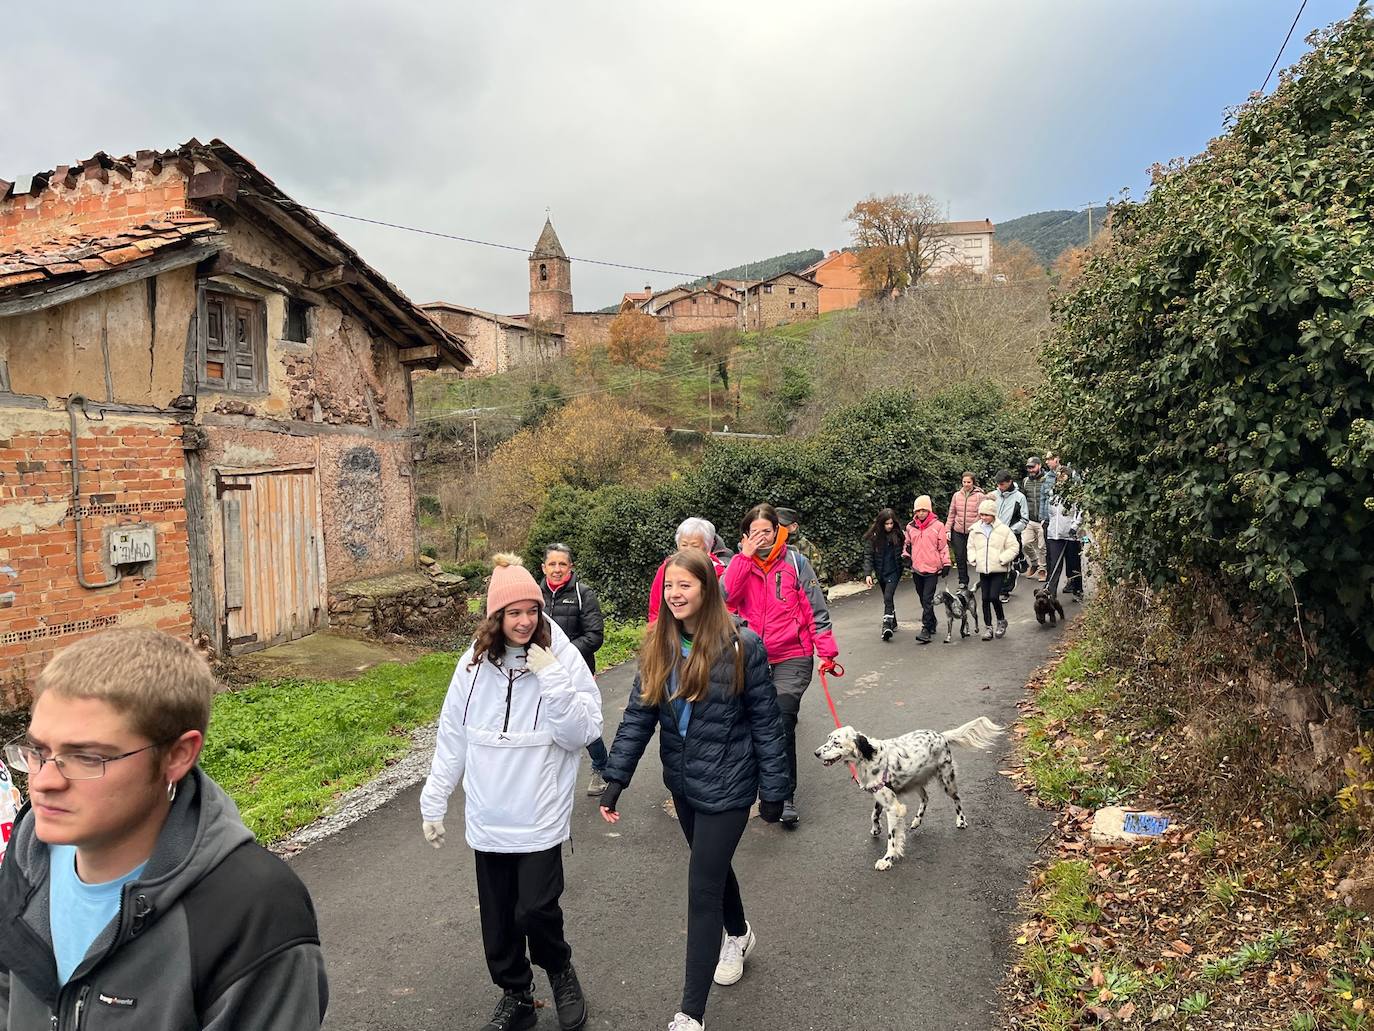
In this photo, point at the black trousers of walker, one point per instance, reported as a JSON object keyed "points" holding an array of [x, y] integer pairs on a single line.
{"points": [[713, 899], [925, 584], [518, 894], [960, 542]]}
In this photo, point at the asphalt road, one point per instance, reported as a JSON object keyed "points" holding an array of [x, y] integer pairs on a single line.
{"points": [[841, 945]]}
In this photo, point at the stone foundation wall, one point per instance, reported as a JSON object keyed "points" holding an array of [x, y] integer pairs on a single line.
{"points": [[402, 603]]}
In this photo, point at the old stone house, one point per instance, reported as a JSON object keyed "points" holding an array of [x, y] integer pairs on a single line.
{"points": [[692, 309], [785, 298], [206, 417], [498, 343]]}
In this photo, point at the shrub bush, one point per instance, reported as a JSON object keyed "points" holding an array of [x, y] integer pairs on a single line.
{"points": [[885, 450], [1214, 370]]}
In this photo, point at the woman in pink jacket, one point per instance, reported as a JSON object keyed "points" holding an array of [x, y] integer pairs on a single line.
{"points": [[773, 588], [927, 545], [963, 514]]}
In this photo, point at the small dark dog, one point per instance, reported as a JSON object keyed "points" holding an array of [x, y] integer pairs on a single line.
{"points": [[958, 606], [1047, 606]]}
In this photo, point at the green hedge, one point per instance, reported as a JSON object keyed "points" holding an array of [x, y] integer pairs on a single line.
{"points": [[1215, 369], [883, 451]]}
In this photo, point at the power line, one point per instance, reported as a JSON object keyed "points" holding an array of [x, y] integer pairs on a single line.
{"points": [[500, 246], [1285, 44]]}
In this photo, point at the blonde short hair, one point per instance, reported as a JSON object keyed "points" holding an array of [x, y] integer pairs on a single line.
{"points": [[159, 681]]}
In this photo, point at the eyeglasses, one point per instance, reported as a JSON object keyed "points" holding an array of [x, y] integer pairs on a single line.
{"points": [[74, 766]]}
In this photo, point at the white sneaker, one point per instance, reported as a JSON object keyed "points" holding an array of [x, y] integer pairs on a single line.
{"points": [[682, 1022], [733, 952], [596, 785]]}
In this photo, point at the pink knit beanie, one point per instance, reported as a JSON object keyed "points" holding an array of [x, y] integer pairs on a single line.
{"points": [[510, 582]]}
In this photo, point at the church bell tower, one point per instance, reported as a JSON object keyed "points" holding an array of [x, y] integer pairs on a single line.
{"points": [[550, 278]]}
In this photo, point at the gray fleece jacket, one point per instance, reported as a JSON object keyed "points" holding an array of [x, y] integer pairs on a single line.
{"points": [[216, 934]]}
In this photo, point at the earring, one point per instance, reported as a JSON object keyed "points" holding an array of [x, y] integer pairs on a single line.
{"points": [[171, 791]]}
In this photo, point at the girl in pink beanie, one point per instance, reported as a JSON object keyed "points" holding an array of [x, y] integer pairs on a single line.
{"points": [[520, 708]]}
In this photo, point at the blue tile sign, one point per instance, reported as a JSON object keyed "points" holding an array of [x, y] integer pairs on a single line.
{"points": [[1147, 824]]}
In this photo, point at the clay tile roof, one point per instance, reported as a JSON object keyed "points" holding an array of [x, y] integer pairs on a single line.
{"points": [[548, 245], [56, 262], [982, 225]]}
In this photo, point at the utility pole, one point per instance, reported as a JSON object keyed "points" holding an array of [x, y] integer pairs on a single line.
{"points": [[474, 446]]}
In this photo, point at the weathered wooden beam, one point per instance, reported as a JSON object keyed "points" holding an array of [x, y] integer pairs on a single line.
{"points": [[217, 185], [420, 355], [65, 293], [225, 264], [334, 276]]}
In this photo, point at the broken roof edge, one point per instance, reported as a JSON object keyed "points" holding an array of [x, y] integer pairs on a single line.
{"points": [[422, 326]]}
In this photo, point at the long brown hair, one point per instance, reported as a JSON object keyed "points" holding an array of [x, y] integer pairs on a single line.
{"points": [[490, 640], [662, 650]]}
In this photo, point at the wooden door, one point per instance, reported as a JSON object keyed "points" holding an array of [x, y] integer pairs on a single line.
{"points": [[274, 575]]}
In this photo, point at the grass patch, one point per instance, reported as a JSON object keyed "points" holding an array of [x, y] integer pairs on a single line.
{"points": [[623, 638], [284, 751], [1076, 751]]}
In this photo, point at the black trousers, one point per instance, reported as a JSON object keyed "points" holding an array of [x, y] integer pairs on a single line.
{"points": [[925, 584], [992, 601], [960, 541], [890, 586], [791, 678], [518, 895], [1066, 557], [713, 899]]}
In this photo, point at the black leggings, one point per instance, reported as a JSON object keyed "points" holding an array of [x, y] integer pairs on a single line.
{"points": [[890, 586], [713, 900], [960, 542], [992, 600]]}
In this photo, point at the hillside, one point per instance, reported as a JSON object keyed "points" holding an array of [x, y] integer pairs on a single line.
{"points": [[1050, 233], [764, 268]]}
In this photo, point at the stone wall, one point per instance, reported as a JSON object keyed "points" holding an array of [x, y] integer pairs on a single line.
{"points": [[132, 472], [587, 329], [403, 603], [793, 299]]}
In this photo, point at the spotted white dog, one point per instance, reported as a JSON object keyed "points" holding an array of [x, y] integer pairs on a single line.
{"points": [[892, 768]]}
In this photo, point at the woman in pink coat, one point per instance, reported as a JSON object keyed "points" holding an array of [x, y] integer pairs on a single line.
{"points": [[927, 545], [774, 589]]}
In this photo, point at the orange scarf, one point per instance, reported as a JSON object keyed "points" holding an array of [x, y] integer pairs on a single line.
{"points": [[779, 546]]}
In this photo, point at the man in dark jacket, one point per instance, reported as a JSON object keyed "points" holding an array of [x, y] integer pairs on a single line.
{"points": [[132, 895], [576, 609]]}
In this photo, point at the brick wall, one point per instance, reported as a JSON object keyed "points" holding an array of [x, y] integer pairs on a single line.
{"points": [[84, 205], [130, 473]]}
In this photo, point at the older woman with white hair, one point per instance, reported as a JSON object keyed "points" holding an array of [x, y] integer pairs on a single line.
{"points": [[692, 532]]}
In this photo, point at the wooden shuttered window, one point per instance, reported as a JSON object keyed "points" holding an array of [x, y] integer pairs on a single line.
{"points": [[233, 343]]}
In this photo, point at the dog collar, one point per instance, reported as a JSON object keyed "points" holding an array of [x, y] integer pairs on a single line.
{"points": [[885, 781]]}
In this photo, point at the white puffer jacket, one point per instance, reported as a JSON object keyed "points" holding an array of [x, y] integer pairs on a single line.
{"points": [[514, 739], [994, 552]]}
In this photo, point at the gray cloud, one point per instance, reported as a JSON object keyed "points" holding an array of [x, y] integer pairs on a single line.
{"points": [[683, 136]]}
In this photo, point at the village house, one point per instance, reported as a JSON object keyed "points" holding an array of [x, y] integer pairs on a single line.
{"points": [[783, 299], [685, 309], [206, 417], [837, 275], [962, 246], [498, 343]]}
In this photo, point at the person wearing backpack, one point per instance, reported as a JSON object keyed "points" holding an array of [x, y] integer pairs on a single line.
{"points": [[576, 609], [519, 710], [772, 587], [1011, 513], [705, 686]]}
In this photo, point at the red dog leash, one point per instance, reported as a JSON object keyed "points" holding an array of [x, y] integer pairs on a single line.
{"points": [[834, 667]]}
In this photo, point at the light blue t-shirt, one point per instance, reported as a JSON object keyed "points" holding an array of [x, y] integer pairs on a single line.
{"points": [[681, 709], [78, 911]]}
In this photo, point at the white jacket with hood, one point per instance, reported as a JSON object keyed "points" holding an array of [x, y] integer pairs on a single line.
{"points": [[513, 738]]}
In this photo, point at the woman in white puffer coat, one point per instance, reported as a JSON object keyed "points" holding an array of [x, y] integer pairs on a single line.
{"points": [[992, 548], [520, 709]]}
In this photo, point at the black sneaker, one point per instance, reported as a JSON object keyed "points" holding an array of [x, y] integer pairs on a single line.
{"points": [[790, 816], [887, 633], [568, 999], [515, 1012], [923, 637]]}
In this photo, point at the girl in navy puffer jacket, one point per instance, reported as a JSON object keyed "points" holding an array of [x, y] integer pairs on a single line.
{"points": [[705, 685]]}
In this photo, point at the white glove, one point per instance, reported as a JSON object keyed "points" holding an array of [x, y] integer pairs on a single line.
{"points": [[434, 832], [539, 659]]}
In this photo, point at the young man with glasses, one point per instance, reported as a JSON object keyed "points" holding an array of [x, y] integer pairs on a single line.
{"points": [[132, 895]]}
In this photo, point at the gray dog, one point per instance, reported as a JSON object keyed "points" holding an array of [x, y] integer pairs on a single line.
{"points": [[958, 606]]}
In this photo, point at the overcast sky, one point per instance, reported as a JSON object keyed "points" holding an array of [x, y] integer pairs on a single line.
{"points": [[687, 137]]}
